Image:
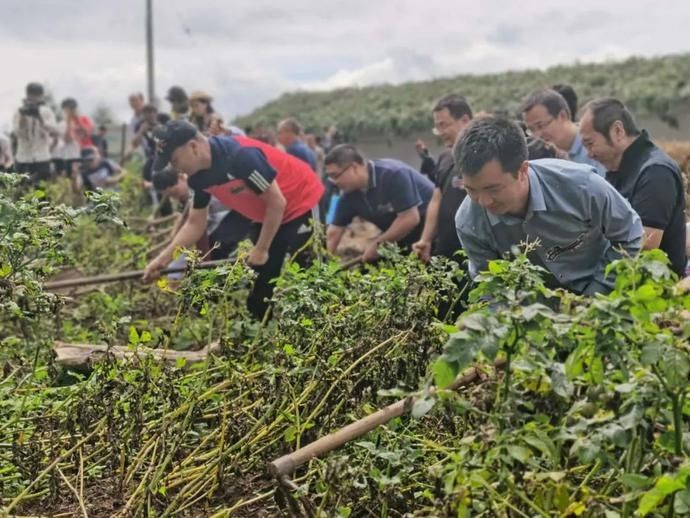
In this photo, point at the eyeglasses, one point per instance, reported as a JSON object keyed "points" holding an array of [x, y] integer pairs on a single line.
{"points": [[333, 177], [439, 128], [541, 125]]}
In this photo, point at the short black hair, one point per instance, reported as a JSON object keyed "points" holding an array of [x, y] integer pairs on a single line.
{"points": [[549, 99], [487, 139], [456, 105], [163, 118], [69, 103], [606, 111], [344, 154], [164, 179], [149, 108], [568, 93], [538, 148], [34, 89]]}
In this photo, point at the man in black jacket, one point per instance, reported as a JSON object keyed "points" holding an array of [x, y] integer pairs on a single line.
{"points": [[641, 172], [451, 115]]}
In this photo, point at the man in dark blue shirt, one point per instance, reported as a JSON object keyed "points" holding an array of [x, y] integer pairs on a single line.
{"points": [[388, 193], [290, 137]]}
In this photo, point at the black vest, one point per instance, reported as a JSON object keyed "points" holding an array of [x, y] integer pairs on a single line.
{"points": [[640, 156]]}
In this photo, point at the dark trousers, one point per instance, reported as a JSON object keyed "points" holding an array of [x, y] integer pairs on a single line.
{"points": [[36, 170], [232, 229], [287, 240]]}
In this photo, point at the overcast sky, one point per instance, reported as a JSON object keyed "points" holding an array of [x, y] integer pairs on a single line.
{"points": [[246, 53]]}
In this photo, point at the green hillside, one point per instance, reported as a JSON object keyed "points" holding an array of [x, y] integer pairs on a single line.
{"points": [[650, 86]]}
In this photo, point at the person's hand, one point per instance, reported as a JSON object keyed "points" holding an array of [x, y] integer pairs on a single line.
{"points": [[153, 269], [257, 257], [423, 250], [371, 252], [420, 146]]}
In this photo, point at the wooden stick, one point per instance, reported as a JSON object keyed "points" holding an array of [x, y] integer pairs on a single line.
{"points": [[123, 142], [351, 263], [157, 248], [160, 232], [153, 221], [287, 464], [124, 276], [79, 356]]}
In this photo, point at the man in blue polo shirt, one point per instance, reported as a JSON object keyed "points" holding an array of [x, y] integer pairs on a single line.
{"points": [[290, 137], [579, 221], [547, 116], [388, 193]]}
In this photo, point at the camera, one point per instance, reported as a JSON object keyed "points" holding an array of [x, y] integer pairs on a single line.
{"points": [[30, 109]]}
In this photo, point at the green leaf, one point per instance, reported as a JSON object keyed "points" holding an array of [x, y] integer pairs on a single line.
{"points": [[635, 481], [681, 504], [422, 406], [5, 270], [290, 434], [497, 267], [647, 292], [519, 453], [133, 335], [650, 354], [559, 382], [664, 487], [444, 373], [180, 362]]}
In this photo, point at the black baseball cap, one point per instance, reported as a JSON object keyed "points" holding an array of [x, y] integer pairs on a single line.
{"points": [[168, 138], [176, 94], [88, 153]]}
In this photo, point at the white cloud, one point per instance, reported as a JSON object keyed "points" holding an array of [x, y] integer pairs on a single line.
{"points": [[246, 54]]}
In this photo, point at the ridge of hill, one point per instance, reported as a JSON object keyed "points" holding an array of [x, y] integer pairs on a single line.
{"points": [[650, 86]]}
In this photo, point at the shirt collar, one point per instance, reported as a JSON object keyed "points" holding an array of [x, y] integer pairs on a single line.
{"points": [[536, 203], [372, 175], [632, 154], [576, 147]]}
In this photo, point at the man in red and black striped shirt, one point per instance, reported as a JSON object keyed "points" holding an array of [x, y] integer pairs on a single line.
{"points": [[276, 191]]}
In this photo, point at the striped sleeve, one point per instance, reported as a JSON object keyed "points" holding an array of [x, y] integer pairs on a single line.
{"points": [[250, 165]]}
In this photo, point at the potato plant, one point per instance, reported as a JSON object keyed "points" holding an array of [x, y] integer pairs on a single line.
{"points": [[587, 417]]}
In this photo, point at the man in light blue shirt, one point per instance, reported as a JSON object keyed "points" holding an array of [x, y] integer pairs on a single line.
{"points": [[579, 220], [290, 137], [547, 116]]}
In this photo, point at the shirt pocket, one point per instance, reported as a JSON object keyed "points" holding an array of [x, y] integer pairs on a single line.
{"points": [[569, 244]]}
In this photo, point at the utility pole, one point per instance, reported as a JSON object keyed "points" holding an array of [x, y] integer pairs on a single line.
{"points": [[149, 52]]}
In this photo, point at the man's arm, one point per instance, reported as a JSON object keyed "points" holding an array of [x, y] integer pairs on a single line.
{"points": [[620, 224], [656, 196], [20, 126], [48, 121], [423, 246], [333, 236], [189, 234], [118, 174], [181, 220], [475, 241], [275, 209], [652, 238], [402, 225], [478, 250]]}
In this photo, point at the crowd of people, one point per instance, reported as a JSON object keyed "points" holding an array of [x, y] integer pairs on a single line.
{"points": [[584, 186]]}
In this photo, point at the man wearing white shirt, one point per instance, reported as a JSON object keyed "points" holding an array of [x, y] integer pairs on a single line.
{"points": [[34, 126]]}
